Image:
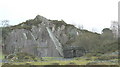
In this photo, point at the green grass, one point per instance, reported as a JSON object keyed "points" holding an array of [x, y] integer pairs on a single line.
{"points": [[85, 60], [80, 61], [77, 62]]}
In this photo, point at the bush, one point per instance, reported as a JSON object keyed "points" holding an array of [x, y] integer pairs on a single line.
{"points": [[19, 57], [107, 57]]}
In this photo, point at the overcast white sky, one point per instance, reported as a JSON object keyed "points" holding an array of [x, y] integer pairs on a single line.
{"points": [[96, 14]]}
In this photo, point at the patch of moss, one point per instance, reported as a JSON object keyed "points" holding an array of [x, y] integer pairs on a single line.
{"points": [[26, 25], [58, 23]]}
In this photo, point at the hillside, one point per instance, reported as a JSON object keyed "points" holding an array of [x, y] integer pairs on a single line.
{"points": [[51, 38]]}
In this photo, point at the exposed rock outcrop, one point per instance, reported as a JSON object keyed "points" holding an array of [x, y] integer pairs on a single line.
{"points": [[32, 37]]}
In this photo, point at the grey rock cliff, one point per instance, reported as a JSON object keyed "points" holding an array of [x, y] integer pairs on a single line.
{"points": [[35, 39]]}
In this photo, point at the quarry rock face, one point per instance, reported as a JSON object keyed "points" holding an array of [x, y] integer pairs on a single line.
{"points": [[73, 51], [39, 42]]}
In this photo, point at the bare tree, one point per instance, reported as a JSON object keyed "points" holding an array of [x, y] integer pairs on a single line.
{"points": [[94, 30], [80, 26], [115, 27], [5, 23]]}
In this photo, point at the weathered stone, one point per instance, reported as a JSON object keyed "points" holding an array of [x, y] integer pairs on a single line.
{"points": [[37, 41]]}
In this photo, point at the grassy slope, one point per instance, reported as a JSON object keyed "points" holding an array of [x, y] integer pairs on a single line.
{"points": [[76, 61]]}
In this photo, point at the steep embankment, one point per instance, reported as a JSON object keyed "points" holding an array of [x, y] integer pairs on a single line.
{"points": [[33, 37]]}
